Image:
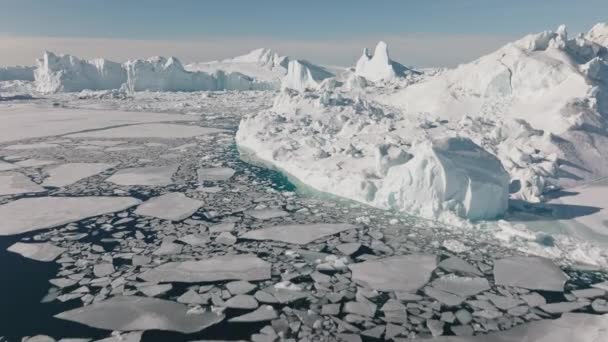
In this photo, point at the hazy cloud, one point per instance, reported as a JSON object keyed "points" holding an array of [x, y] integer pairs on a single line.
{"points": [[421, 50]]}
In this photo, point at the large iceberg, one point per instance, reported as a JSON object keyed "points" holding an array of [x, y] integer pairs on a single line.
{"points": [[265, 66], [350, 148], [379, 67], [302, 75], [518, 123], [535, 103], [66, 73]]}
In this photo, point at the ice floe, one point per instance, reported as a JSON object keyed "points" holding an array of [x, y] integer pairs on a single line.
{"points": [[149, 175], [152, 130], [172, 206], [67, 174], [13, 183], [399, 273], [533, 273], [30, 214], [215, 174], [42, 251], [226, 267], [131, 313], [297, 234]]}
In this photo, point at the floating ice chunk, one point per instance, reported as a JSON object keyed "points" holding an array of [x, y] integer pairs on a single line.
{"points": [[214, 174], [152, 130], [461, 286], [30, 214], [532, 273], [263, 313], [173, 206], [456, 264], [226, 267], [33, 146], [66, 174], [297, 234], [4, 166], [150, 175], [242, 302], [13, 183], [569, 327], [266, 214], [35, 162], [399, 273], [37, 251], [141, 313]]}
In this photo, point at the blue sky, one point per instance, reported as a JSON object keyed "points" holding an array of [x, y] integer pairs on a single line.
{"points": [[314, 24]]}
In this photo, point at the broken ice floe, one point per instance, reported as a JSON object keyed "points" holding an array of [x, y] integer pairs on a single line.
{"points": [[150, 175], [297, 234], [533, 273], [214, 174], [37, 251], [172, 206], [29, 214], [14, 183], [141, 313], [66, 174], [399, 273], [226, 267]]}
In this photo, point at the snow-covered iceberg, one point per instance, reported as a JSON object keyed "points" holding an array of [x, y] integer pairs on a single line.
{"points": [[379, 67], [538, 106], [265, 66], [66, 73], [343, 147], [302, 75]]}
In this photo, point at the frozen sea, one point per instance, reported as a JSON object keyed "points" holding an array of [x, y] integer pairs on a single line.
{"points": [[112, 230]]}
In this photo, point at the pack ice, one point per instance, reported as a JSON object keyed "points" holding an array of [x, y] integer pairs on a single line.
{"points": [[518, 123]]}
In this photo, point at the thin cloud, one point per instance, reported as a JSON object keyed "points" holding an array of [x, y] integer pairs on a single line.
{"points": [[416, 49]]}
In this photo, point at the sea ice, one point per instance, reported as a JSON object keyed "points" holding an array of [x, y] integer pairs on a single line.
{"points": [[226, 267], [149, 175], [569, 327], [67, 174], [13, 183], [30, 214], [532, 273], [263, 313], [130, 313], [151, 130], [43, 251], [173, 206], [43, 122], [4, 166], [214, 174], [297, 234], [399, 273], [461, 286], [266, 214]]}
